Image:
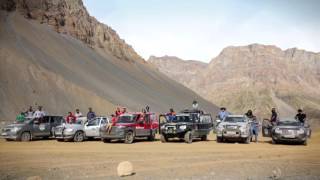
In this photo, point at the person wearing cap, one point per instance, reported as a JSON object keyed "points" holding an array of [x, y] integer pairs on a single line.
{"points": [[301, 116], [223, 113]]}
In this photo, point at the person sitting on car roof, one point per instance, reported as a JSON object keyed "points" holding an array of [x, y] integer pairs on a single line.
{"points": [[301, 116], [118, 112], [71, 118], [29, 113], [223, 113], [124, 110], [77, 114], [39, 113], [20, 117]]}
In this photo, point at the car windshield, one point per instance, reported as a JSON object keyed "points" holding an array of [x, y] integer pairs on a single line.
{"points": [[181, 119], [289, 123], [234, 119], [125, 119]]}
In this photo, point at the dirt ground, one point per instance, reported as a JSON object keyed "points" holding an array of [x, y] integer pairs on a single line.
{"points": [[49, 159]]}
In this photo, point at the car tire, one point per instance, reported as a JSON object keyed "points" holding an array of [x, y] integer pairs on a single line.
{"points": [[219, 139], [78, 136], [106, 140], [247, 140], [188, 137], [273, 141], [25, 136], [129, 137], [163, 138], [9, 139], [60, 140], [204, 138], [305, 143]]}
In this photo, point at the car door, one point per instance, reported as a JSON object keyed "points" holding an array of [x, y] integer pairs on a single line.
{"points": [[92, 128], [41, 127], [140, 125], [266, 128]]}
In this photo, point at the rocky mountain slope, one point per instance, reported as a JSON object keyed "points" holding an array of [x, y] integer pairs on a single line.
{"points": [[256, 77], [52, 53]]}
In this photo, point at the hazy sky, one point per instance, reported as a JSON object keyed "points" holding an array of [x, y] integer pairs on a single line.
{"points": [[200, 29]]}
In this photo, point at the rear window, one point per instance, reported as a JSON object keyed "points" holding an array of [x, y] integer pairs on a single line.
{"points": [[125, 119]]}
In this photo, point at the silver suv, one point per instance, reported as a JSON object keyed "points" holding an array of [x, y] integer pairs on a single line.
{"points": [[234, 127], [78, 131]]}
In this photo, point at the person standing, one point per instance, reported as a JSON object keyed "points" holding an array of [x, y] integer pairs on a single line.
{"points": [[274, 116], [124, 110], [254, 124], [90, 115], [301, 116], [77, 114], [171, 115]]}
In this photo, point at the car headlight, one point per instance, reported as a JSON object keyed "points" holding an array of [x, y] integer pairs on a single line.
{"points": [[278, 131], [15, 129], [68, 130], [300, 131], [243, 128], [183, 127]]}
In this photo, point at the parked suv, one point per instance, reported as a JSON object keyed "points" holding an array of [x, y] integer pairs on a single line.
{"points": [[186, 125], [130, 126], [234, 127], [32, 129], [78, 131], [287, 130]]}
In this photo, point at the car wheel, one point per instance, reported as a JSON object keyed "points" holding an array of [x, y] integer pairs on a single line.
{"points": [[163, 138], [188, 137], [9, 139], [129, 137], [25, 136], [273, 141], [60, 140], [305, 143], [247, 140], [219, 139], [204, 138], [78, 137], [106, 140]]}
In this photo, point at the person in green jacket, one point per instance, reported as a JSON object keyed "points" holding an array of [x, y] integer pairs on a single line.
{"points": [[21, 117]]}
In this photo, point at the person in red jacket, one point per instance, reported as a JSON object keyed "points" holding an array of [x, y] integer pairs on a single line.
{"points": [[118, 112], [113, 122], [71, 118]]}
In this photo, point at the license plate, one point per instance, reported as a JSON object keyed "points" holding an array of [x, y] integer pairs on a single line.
{"points": [[231, 132], [289, 136], [170, 130]]}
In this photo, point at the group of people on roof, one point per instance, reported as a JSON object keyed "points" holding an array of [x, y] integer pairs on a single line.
{"points": [[30, 114]]}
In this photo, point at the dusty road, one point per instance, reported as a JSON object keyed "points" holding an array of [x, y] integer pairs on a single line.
{"points": [[50, 159]]}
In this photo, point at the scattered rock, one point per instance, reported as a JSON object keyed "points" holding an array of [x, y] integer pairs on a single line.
{"points": [[276, 174], [125, 168]]}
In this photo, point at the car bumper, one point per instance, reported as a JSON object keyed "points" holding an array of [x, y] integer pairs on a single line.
{"points": [[233, 135], [282, 138], [64, 135], [9, 135], [114, 134]]}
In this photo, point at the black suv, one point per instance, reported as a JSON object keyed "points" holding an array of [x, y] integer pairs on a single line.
{"points": [[31, 129], [186, 125]]}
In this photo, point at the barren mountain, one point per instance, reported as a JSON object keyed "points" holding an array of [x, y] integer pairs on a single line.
{"points": [[257, 77], [52, 53]]}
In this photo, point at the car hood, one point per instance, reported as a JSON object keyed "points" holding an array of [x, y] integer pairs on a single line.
{"points": [[14, 125]]}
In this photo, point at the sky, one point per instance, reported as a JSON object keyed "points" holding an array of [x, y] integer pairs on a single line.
{"points": [[200, 29]]}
